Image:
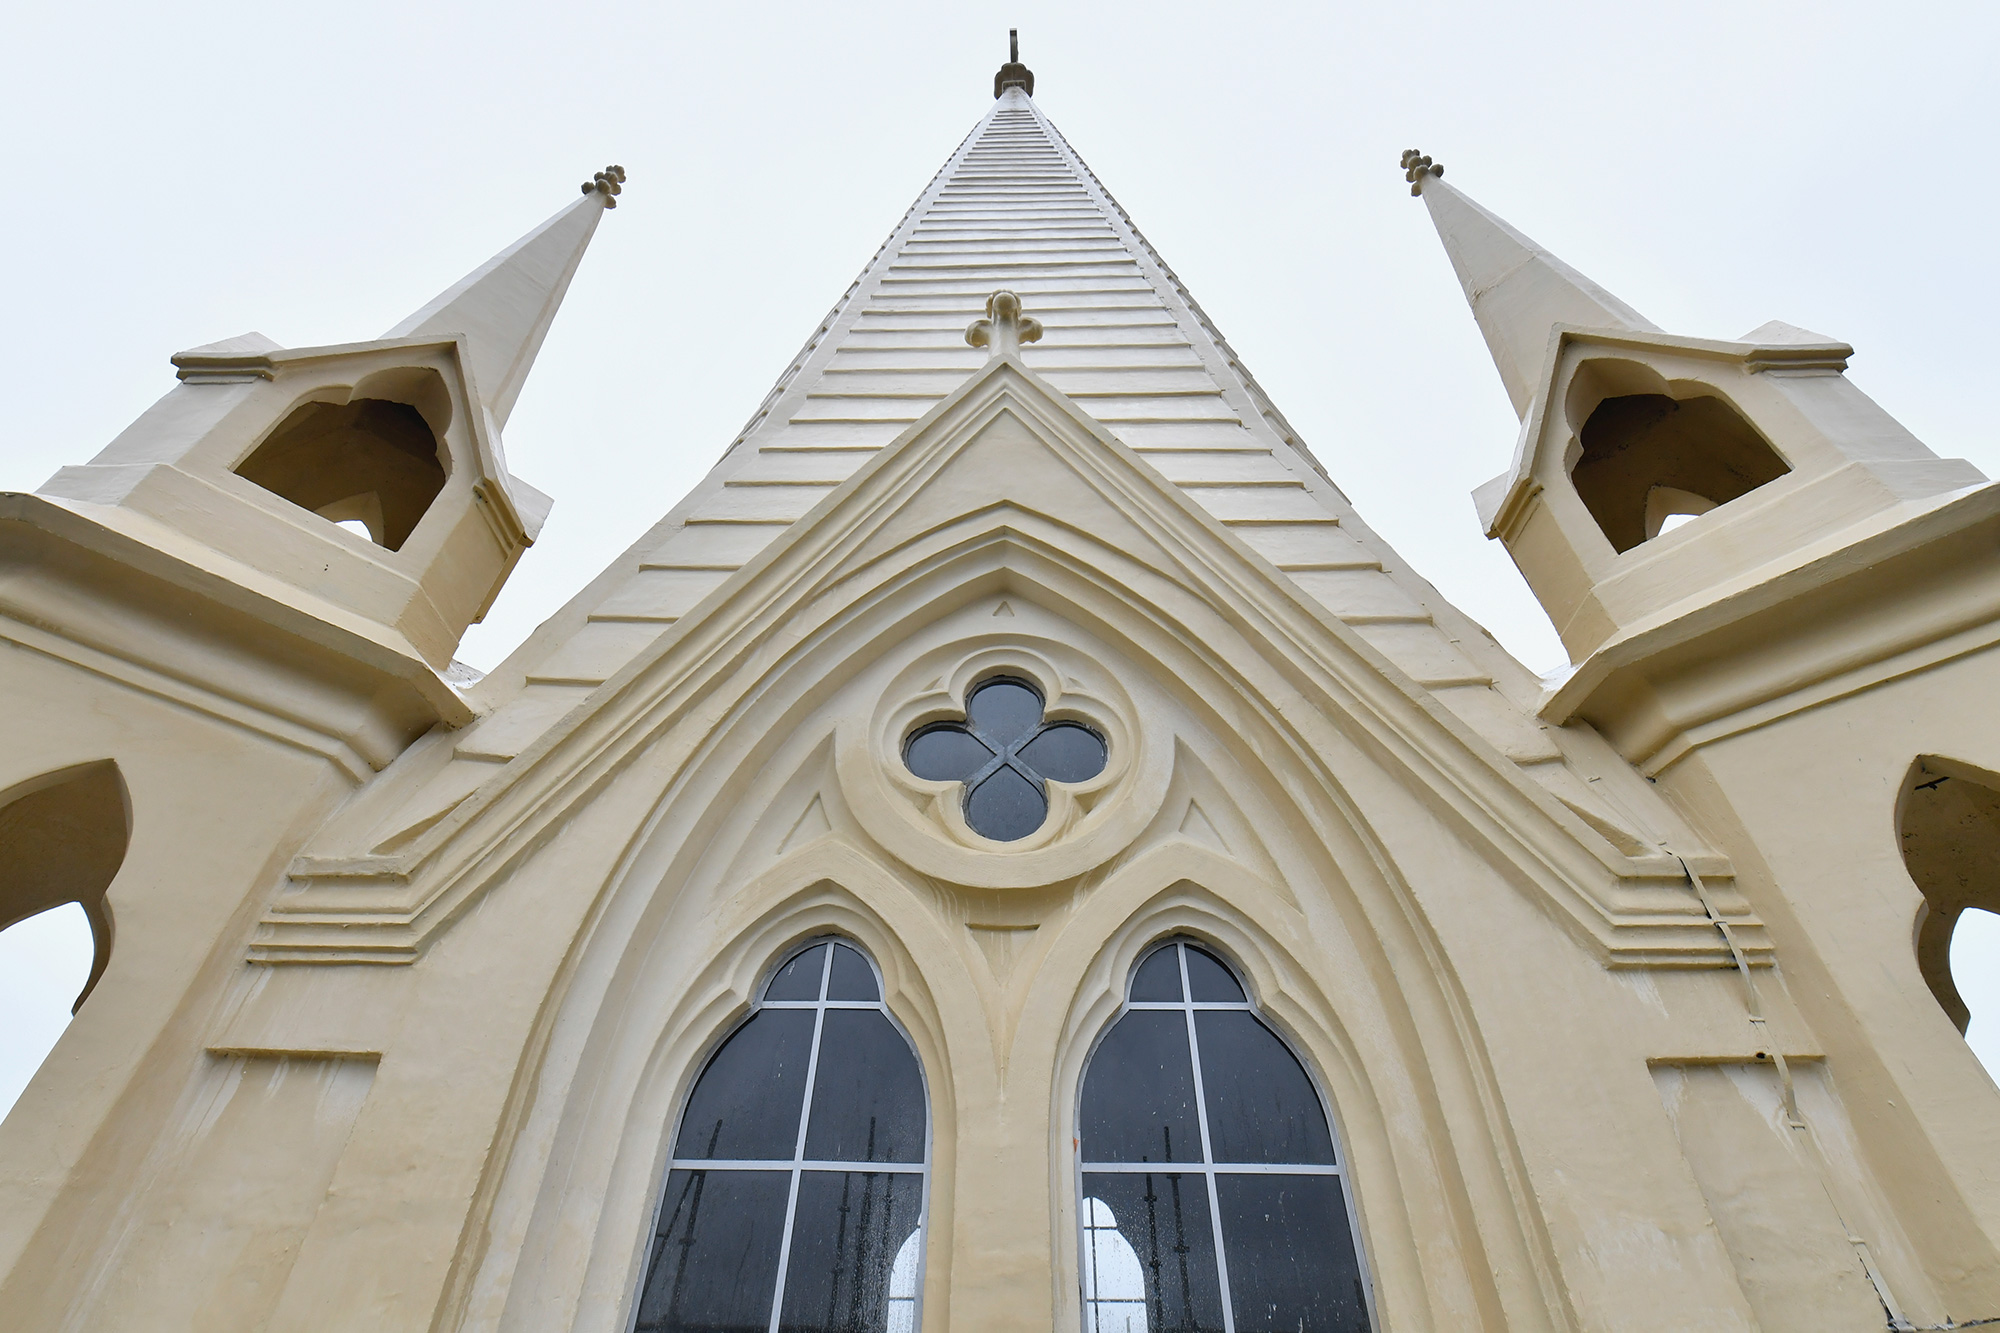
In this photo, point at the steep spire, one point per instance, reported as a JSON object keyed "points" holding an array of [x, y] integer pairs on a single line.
{"points": [[504, 308], [1518, 290], [1014, 74]]}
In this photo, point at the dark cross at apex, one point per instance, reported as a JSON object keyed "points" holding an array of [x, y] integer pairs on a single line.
{"points": [[1014, 74]]}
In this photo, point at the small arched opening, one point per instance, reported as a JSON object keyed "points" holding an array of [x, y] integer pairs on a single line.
{"points": [[370, 464], [1950, 825], [1649, 456], [62, 838]]}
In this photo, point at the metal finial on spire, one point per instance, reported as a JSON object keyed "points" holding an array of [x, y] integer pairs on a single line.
{"points": [[1005, 328], [608, 182], [1014, 74], [1416, 166]]}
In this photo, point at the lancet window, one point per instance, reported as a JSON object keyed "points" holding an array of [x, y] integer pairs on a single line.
{"points": [[1211, 1193], [795, 1199]]}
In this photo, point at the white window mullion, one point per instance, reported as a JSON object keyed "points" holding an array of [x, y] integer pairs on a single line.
{"points": [[799, 1145], [1207, 1153]]}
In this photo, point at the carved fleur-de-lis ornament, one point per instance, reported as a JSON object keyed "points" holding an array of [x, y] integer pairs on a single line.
{"points": [[1005, 328], [608, 182], [1416, 166]]}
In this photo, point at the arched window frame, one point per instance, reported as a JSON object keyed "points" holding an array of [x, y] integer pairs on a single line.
{"points": [[1207, 1167], [902, 1315]]}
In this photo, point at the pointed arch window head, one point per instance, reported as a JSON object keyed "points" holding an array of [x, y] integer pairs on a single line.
{"points": [[795, 1200], [1005, 753], [1211, 1192], [1949, 825], [1648, 459]]}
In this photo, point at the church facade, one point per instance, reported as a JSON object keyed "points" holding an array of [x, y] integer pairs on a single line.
{"points": [[1012, 849]]}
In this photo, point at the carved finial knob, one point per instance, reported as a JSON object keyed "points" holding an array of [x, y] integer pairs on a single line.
{"points": [[1005, 328], [1014, 74], [608, 182], [1416, 166]]}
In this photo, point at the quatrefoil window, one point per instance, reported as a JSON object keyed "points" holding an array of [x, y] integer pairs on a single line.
{"points": [[1006, 756]]}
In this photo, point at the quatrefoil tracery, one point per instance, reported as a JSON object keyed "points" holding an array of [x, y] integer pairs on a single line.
{"points": [[1005, 754]]}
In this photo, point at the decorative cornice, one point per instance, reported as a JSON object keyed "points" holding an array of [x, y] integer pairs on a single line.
{"points": [[1681, 632]]}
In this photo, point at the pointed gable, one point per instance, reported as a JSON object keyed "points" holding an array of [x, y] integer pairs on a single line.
{"points": [[1006, 488]]}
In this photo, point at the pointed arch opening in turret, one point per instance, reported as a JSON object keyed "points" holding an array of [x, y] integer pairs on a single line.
{"points": [[373, 462], [63, 836], [1649, 455], [1949, 821]]}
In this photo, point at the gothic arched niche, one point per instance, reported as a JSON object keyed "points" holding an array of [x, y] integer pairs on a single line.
{"points": [[1647, 451], [62, 838], [372, 460], [1949, 820]]}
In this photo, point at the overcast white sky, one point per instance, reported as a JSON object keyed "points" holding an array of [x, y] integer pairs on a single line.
{"points": [[318, 171]]}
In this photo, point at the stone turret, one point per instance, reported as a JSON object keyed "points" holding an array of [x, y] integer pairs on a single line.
{"points": [[359, 488], [1657, 476]]}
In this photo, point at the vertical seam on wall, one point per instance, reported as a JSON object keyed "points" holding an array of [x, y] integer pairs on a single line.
{"points": [[1795, 1122]]}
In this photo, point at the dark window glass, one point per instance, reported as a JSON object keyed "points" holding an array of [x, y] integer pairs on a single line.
{"points": [[1158, 979], [799, 979], [852, 978], [1292, 1265], [868, 1098], [714, 1266], [1065, 752], [1261, 1106], [1005, 756], [1005, 807], [1289, 1260], [746, 1105], [1209, 981], [1163, 1218], [1138, 1098], [850, 1228], [724, 1258], [1005, 710], [946, 754]]}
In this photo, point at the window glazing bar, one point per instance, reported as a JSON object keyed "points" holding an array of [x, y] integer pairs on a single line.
{"points": [[1207, 1153], [807, 1164], [1190, 1168], [799, 1148]]}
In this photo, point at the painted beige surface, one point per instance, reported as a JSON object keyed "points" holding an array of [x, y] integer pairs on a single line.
{"points": [[410, 971]]}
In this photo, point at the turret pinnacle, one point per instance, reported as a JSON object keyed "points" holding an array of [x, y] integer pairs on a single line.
{"points": [[504, 308], [1518, 290]]}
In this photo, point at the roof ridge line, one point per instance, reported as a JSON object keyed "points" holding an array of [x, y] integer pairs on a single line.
{"points": [[832, 316], [1261, 400]]}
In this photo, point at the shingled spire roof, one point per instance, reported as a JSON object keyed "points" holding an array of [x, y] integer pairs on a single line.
{"points": [[1015, 208]]}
